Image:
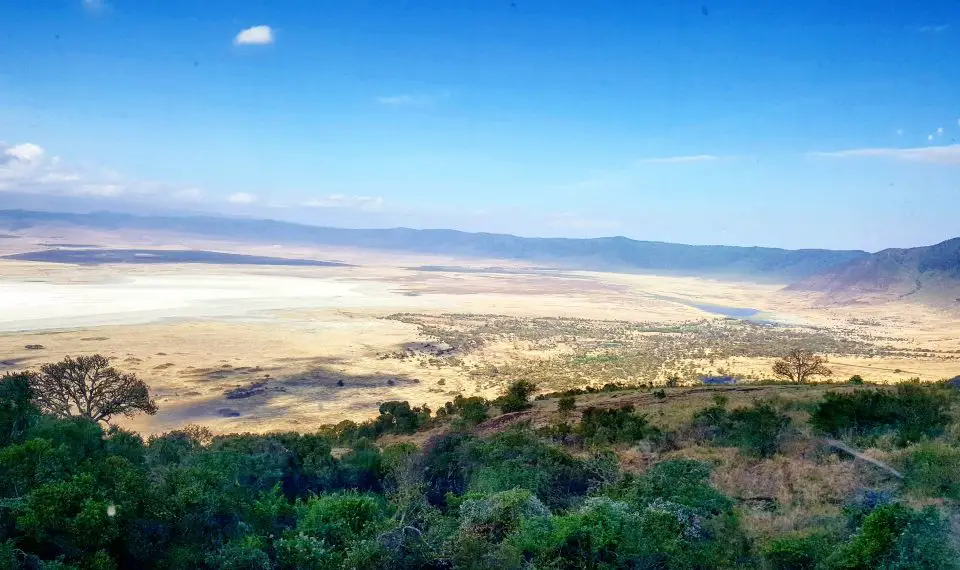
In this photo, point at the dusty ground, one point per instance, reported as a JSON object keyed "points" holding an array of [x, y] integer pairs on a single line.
{"points": [[319, 339]]}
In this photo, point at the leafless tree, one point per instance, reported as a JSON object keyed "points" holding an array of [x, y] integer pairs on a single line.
{"points": [[799, 365], [88, 386]]}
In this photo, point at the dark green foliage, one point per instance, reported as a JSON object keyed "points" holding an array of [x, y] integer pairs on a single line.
{"points": [[856, 380], [660, 394], [895, 536], [682, 481], [517, 397], [472, 410], [798, 552], [912, 411], [933, 470], [617, 425], [566, 404], [76, 495], [17, 412], [518, 459], [757, 430]]}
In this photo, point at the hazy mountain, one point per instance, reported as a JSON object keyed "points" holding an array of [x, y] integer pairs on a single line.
{"points": [[928, 273], [611, 253]]}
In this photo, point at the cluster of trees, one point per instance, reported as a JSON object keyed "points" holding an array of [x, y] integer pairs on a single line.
{"points": [[76, 493]]}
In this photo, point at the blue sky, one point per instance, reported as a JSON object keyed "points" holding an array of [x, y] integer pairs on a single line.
{"points": [[821, 124]]}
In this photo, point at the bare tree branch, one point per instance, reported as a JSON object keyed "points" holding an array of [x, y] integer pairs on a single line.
{"points": [[88, 386]]}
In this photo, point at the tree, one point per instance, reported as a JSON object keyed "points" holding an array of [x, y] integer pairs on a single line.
{"points": [[517, 396], [799, 365], [87, 386]]}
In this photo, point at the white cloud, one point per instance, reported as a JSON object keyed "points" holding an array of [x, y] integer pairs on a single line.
{"points": [[680, 159], [242, 198], [28, 168], [257, 35], [412, 99], [939, 130], [933, 29], [949, 154], [929, 137], [25, 152], [94, 5], [367, 203], [899, 132]]}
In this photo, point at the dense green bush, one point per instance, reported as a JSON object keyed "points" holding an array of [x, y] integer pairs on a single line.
{"points": [[517, 397], [911, 411], [517, 458], [618, 425], [895, 536], [757, 430], [566, 404], [797, 552], [933, 470]]}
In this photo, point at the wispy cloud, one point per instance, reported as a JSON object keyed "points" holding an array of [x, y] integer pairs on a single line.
{"points": [[94, 5], [412, 99], [242, 198], [28, 168], [367, 203], [257, 35], [680, 159], [949, 154], [933, 29]]}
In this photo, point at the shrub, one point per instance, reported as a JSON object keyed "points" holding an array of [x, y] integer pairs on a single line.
{"points": [[856, 380], [912, 411], [516, 458], [682, 481], [341, 518], [494, 516], [933, 470], [757, 430], [613, 426], [895, 536], [660, 394], [517, 397], [797, 552], [566, 404]]}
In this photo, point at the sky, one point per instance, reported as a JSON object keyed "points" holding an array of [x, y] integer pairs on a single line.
{"points": [[805, 124]]}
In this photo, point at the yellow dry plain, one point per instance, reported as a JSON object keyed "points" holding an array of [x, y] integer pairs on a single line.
{"points": [[318, 338]]}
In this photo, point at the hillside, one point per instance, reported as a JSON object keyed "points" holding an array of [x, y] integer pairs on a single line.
{"points": [[608, 253], [930, 273]]}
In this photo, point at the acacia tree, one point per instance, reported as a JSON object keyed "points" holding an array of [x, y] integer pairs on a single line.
{"points": [[89, 387], [799, 365]]}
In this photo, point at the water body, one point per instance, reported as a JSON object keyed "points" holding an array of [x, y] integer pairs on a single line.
{"points": [[745, 313], [158, 256], [735, 312]]}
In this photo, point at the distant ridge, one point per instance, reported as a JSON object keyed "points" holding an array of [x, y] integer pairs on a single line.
{"points": [[608, 253], [930, 273]]}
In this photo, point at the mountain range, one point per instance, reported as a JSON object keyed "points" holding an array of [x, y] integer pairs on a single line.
{"points": [[927, 273]]}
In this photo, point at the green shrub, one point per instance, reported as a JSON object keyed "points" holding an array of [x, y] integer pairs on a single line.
{"points": [[341, 518], [797, 552], [566, 404], [598, 426], [912, 411], [682, 481], [757, 430], [516, 458], [856, 380], [517, 397], [660, 394], [933, 470], [895, 536]]}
